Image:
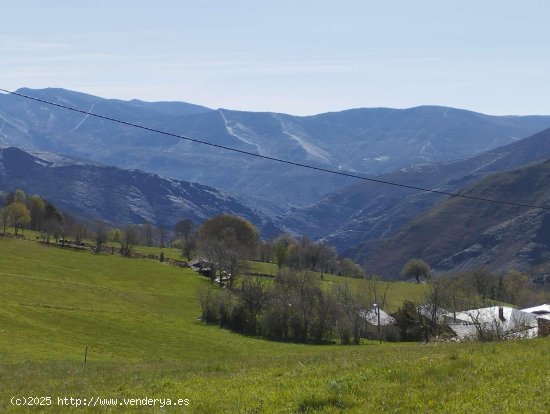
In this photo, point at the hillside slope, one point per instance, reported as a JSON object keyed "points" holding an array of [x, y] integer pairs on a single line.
{"points": [[137, 318], [119, 196], [459, 234], [369, 211], [370, 141]]}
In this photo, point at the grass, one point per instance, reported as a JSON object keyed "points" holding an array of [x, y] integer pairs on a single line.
{"points": [[56, 301], [138, 319], [397, 292]]}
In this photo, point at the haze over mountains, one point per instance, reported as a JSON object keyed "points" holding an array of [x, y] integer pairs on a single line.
{"points": [[370, 211], [369, 141], [459, 233], [430, 147], [94, 191]]}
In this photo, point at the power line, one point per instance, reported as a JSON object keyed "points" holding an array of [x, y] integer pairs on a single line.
{"points": [[265, 157]]}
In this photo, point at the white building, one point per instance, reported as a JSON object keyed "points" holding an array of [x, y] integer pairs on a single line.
{"points": [[542, 313], [493, 322], [371, 317]]}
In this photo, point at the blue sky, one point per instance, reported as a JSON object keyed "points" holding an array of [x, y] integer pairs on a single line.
{"points": [[299, 57]]}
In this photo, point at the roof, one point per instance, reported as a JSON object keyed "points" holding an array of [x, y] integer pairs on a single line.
{"points": [[371, 316], [483, 315], [512, 317], [540, 310], [429, 310], [513, 320]]}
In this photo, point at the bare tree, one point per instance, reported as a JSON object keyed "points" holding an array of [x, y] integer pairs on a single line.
{"points": [[163, 233], [52, 223], [130, 237], [188, 246], [37, 208], [253, 293], [351, 304], [183, 228], [148, 233], [5, 217], [378, 290], [80, 232], [101, 231], [326, 256]]}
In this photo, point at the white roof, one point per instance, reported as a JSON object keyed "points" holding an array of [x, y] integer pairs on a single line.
{"points": [[371, 316], [489, 317], [483, 315], [541, 309], [427, 310]]}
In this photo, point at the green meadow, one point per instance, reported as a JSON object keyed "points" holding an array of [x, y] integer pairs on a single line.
{"points": [[137, 318]]}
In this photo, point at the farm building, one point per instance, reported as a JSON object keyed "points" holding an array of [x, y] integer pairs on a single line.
{"points": [[493, 322], [542, 313], [370, 317]]}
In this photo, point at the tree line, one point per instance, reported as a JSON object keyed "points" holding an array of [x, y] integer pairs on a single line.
{"points": [[293, 306], [456, 292], [224, 241], [21, 211]]}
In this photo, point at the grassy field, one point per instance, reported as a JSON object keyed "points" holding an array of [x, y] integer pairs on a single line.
{"points": [[138, 318]]}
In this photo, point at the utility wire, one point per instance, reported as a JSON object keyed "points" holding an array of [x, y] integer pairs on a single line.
{"points": [[265, 157]]}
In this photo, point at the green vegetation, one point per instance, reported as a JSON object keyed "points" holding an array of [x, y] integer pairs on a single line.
{"points": [[138, 319], [56, 301], [397, 292]]}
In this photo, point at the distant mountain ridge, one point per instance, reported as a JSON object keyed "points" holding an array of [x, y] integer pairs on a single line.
{"points": [[369, 211], [95, 191], [367, 141], [461, 234]]}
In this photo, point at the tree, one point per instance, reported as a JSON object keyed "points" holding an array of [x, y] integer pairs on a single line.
{"points": [[20, 196], [148, 232], [484, 281], [416, 268], [350, 305], [182, 229], [225, 239], [52, 223], [515, 285], [439, 297], [130, 238], [114, 236], [5, 217], [79, 232], [162, 235], [407, 321], [348, 267], [280, 249], [19, 215], [188, 246], [253, 294], [326, 256], [378, 290], [37, 208], [101, 231]]}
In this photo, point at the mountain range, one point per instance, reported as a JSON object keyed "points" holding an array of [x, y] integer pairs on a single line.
{"points": [[95, 191], [370, 211], [366, 141], [94, 168], [460, 233]]}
